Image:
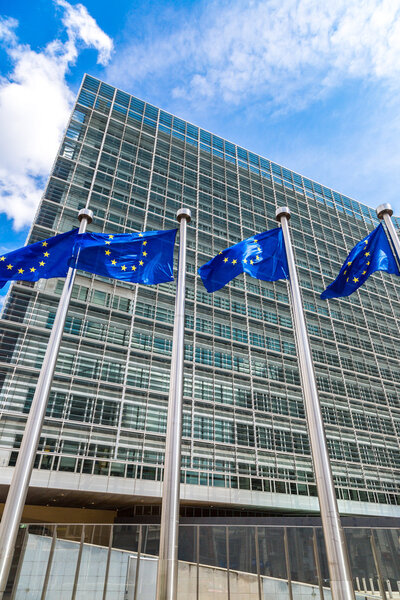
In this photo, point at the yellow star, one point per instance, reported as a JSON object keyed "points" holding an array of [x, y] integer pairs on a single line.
{"points": [[218, 253], [108, 242], [46, 254], [113, 262], [355, 279], [133, 268], [110, 237], [9, 266], [363, 273], [145, 242], [20, 271], [245, 261], [108, 252], [257, 257], [347, 280], [251, 262], [144, 253], [349, 263], [44, 244], [368, 263], [41, 264], [259, 249], [256, 241], [234, 261], [365, 241], [225, 260], [141, 263], [32, 269], [3, 258], [367, 253], [344, 272], [123, 267], [140, 234]]}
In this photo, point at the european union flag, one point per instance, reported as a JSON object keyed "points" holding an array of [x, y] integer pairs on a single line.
{"points": [[45, 259], [262, 256], [372, 254], [136, 257]]}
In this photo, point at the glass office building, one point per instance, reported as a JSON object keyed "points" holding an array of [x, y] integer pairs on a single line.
{"points": [[245, 445]]}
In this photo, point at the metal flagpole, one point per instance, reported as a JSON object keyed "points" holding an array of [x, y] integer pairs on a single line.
{"points": [[385, 211], [167, 574], [23, 469], [336, 551]]}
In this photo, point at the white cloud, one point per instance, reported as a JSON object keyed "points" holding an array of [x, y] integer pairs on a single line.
{"points": [[34, 107], [287, 52], [81, 26]]}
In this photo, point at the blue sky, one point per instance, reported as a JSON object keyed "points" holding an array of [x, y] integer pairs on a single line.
{"points": [[310, 84]]}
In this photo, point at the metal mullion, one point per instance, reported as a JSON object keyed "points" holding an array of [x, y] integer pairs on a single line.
{"points": [[388, 404], [287, 561], [138, 555], [91, 287], [49, 564], [107, 563], [58, 155], [78, 564], [118, 158], [125, 379], [227, 562], [195, 232], [259, 579], [247, 323], [318, 564], [96, 168], [377, 566], [151, 354], [152, 165], [287, 387], [20, 563], [197, 562], [376, 359]]}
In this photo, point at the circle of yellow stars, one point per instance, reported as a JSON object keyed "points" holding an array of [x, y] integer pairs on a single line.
{"points": [[245, 260], [33, 269], [124, 267], [367, 255]]}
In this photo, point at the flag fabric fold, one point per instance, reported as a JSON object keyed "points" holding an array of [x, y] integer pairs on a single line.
{"points": [[42, 260], [372, 254], [263, 256], [134, 257]]}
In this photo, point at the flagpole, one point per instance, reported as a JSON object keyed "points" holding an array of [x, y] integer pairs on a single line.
{"points": [[167, 574], [335, 543], [23, 469], [385, 211]]}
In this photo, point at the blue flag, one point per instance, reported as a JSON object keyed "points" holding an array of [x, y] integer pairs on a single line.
{"points": [[372, 254], [262, 256], [136, 257], [45, 259]]}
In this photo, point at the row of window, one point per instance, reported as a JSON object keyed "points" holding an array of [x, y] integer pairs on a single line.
{"points": [[179, 128], [115, 469]]}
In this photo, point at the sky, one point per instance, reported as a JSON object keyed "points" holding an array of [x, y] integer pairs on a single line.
{"points": [[310, 84]]}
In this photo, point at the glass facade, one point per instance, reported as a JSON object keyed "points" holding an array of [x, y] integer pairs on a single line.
{"points": [[119, 562], [244, 430]]}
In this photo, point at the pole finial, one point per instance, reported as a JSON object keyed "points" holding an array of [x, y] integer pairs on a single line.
{"points": [[184, 213], [383, 209], [282, 211], [87, 214]]}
